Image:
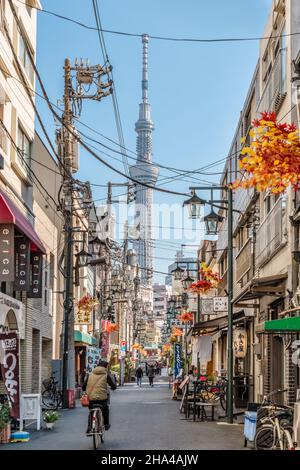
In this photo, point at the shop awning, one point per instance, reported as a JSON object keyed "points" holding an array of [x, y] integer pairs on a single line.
{"points": [[81, 337], [219, 323], [284, 325], [10, 214], [261, 286]]}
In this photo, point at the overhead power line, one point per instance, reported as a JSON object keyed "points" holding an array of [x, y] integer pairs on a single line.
{"points": [[161, 37]]}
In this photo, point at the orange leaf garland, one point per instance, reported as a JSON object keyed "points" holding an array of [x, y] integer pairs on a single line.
{"points": [[186, 317], [272, 160]]}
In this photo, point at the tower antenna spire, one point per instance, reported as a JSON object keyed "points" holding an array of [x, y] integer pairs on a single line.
{"points": [[145, 41]]}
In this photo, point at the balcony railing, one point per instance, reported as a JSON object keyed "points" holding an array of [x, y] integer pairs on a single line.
{"points": [[275, 88], [272, 233], [243, 261]]}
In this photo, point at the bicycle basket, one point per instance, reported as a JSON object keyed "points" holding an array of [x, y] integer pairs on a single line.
{"points": [[47, 383]]}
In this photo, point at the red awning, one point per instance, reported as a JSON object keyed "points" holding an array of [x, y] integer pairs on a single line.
{"points": [[10, 214]]}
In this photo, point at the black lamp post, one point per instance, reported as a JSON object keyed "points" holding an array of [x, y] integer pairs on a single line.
{"points": [[177, 273], [187, 282], [83, 258], [212, 220]]}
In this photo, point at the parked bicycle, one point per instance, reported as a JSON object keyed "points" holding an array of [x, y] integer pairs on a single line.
{"points": [[275, 425], [97, 426], [51, 396]]}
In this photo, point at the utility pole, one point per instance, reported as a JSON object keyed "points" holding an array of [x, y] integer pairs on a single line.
{"points": [[68, 352], [73, 97]]}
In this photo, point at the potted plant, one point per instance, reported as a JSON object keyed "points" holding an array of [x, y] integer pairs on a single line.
{"points": [[4, 423], [50, 417]]}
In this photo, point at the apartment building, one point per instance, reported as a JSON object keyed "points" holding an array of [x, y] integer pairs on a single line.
{"points": [[27, 212], [266, 228]]}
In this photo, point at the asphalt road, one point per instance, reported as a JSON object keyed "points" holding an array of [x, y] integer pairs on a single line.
{"points": [[141, 418]]}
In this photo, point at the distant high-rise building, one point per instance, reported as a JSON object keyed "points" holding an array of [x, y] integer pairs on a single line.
{"points": [[145, 172]]}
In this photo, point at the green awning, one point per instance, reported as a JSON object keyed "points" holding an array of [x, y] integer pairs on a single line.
{"points": [[285, 325], [81, 337]]}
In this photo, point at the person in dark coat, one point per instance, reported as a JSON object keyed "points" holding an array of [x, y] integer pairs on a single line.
{"points": [[151, 374], [139, 375]]}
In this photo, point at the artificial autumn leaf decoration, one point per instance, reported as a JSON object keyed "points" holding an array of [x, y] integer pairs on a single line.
{"points": [[210, 280], [166, 347], [111, 327], [272, 160], [87, 303], [186, 317], [177, 331], [173, 338], [136, 346]]}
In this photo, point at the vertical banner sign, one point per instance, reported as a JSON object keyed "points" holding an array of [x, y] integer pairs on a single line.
{"points": [[22, 263], [177, 359], [7, 272], [104, 339], [9, 359], [92, 358], [36, 291]]}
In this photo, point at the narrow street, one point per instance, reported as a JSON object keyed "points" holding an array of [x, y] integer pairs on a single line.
{"points": [[141, 418]]}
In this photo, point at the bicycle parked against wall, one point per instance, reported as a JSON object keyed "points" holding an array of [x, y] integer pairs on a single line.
{"points": [[274, 425], [51, 396]]}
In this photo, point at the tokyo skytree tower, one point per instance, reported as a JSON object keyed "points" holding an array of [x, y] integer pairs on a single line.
{"points": [[145, 172]]}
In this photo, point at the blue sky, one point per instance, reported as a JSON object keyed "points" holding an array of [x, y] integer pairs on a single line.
{"points": [[196, 90]]}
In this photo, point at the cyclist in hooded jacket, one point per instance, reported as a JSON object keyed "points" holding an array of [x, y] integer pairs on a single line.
{"points": [[96, 387]]}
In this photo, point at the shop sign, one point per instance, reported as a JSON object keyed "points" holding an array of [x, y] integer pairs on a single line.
{"points": [[177, 359], [83, 317], [207, 306], [220, 304], [105, 339], [239, 342], [22, 264], [7, 271], [92, 358], [36, 281], [9, 359]]}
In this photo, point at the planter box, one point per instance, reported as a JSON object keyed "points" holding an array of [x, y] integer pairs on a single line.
{"points": [[5, 435]]}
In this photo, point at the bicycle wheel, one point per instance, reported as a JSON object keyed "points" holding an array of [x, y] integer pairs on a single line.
{"points": [[287, 440], [95, 429], [49, 400], [223, 402], [58, 397], [264, 438], [101, 426]]}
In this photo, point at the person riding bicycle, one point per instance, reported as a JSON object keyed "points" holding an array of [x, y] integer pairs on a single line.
{"points": [[96, 386]]}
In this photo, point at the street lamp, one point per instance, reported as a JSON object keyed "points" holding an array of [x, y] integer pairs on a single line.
{"points": [[187, 282], [177, 273], [96, 244], [194, 204], [212, 220], [83, 257]]}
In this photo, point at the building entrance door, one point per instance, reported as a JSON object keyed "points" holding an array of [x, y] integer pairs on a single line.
{"points": [[277, 366]]}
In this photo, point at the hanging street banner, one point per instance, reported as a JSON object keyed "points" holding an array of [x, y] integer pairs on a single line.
{"points": [[177, 359], [22, 263], [36, 280], [92, 358], [220, 304], [104, 339], [7, 271], [9, 360]]}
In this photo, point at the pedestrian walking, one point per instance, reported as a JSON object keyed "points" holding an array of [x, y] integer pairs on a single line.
{"points": [[83, 377], [139, 375], [151, 374]]}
